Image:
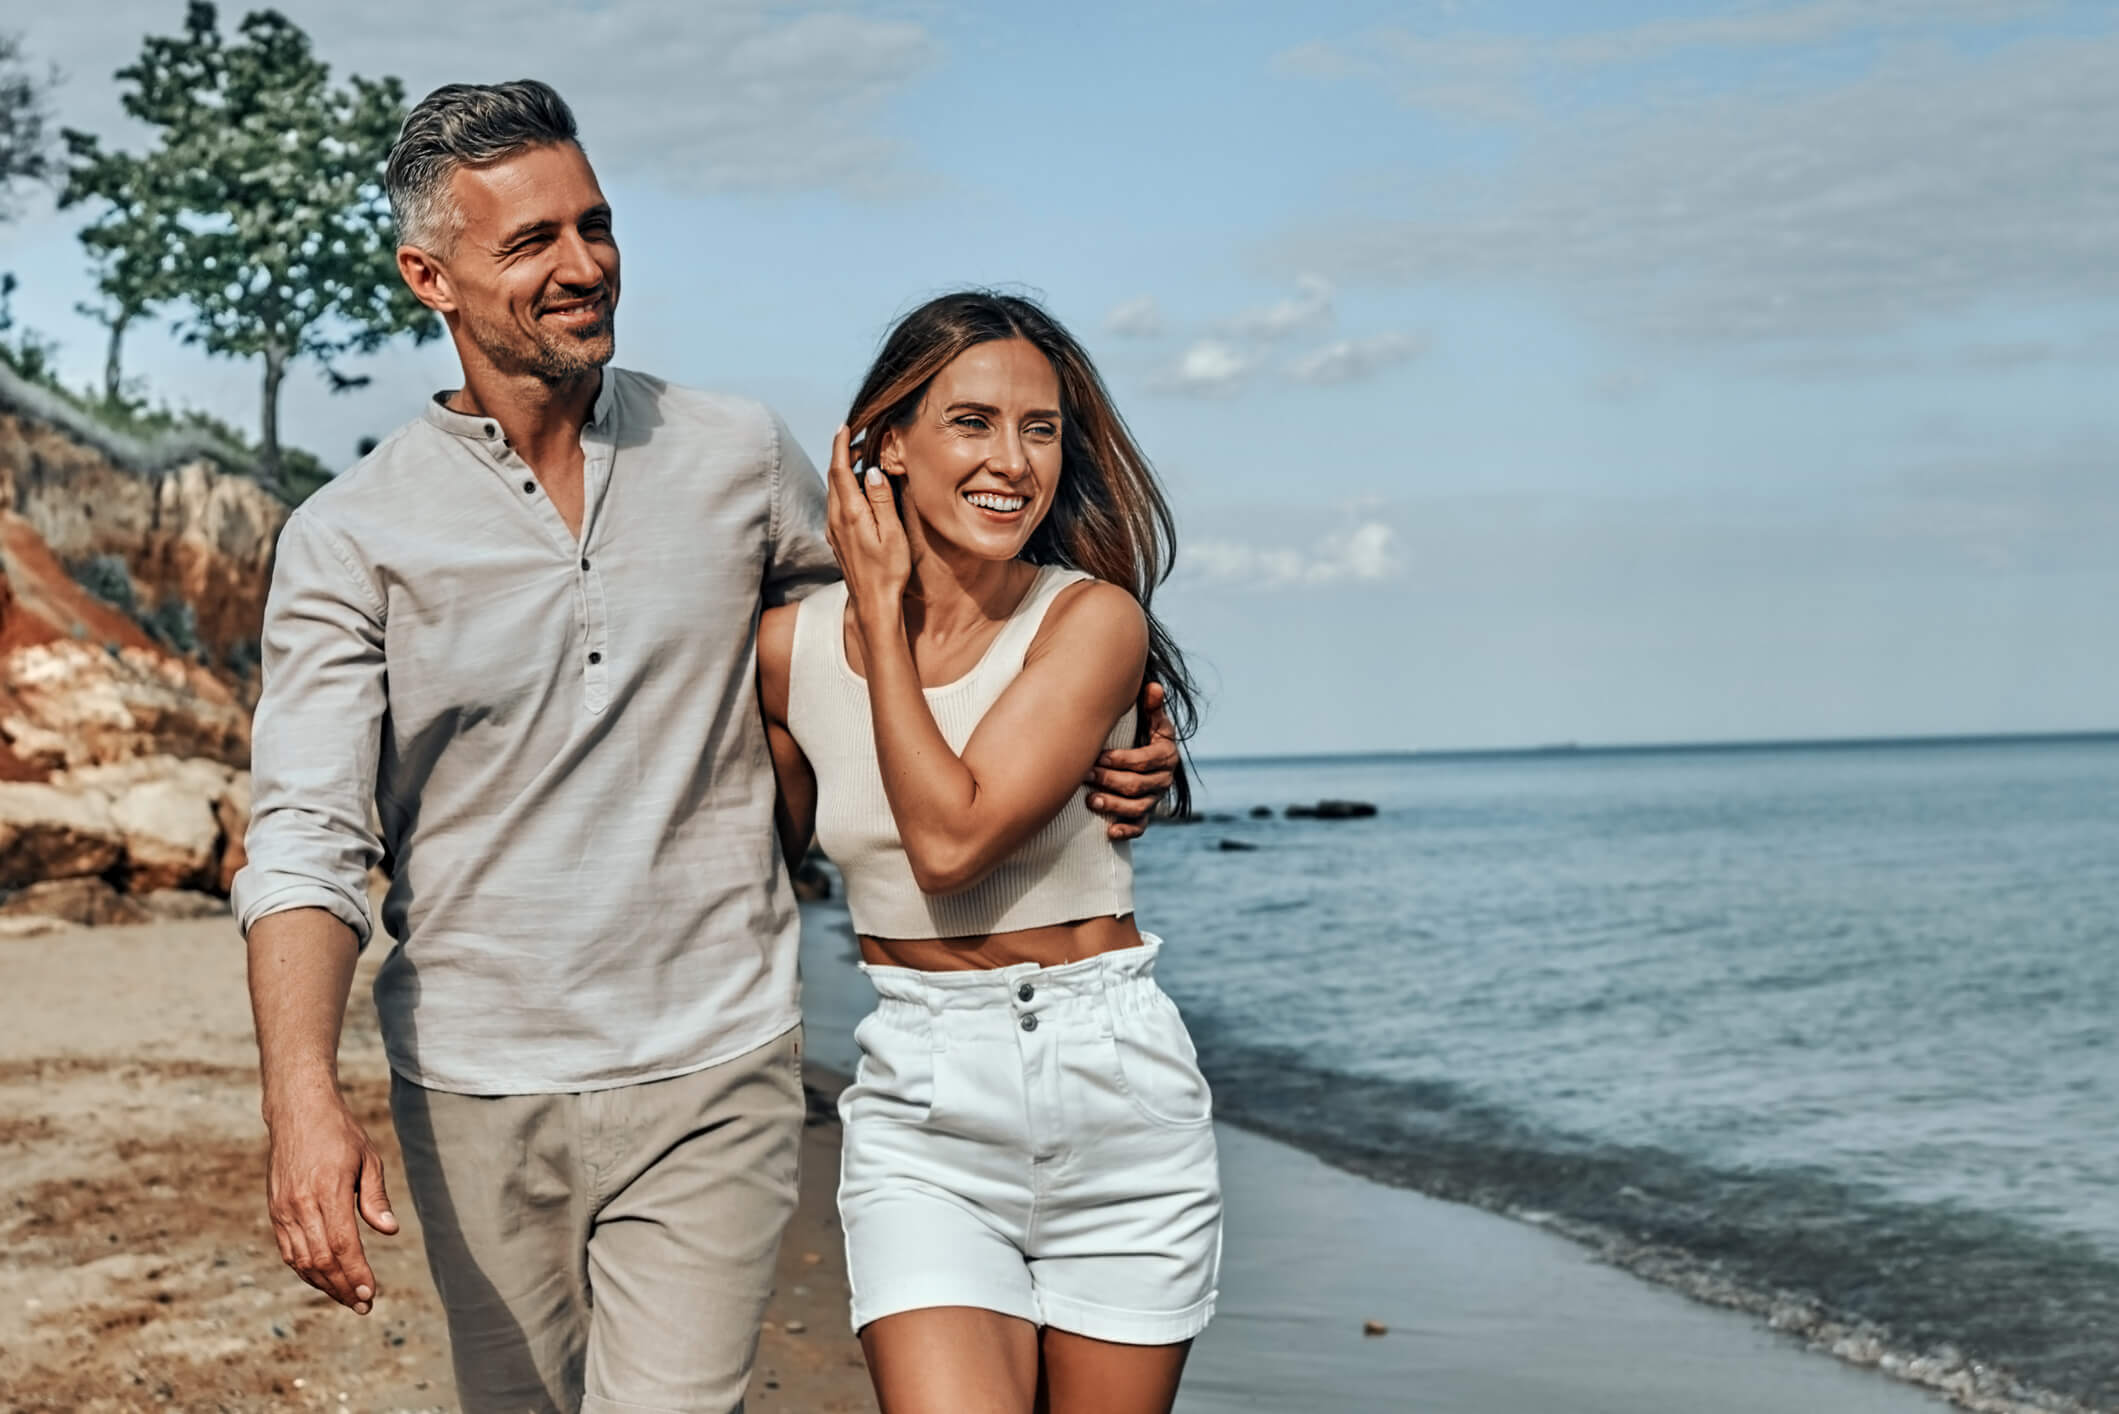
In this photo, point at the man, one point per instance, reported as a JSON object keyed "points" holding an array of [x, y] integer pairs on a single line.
{"points": [[520, 634]]}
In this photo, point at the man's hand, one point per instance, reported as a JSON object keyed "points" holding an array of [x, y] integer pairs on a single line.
{"points": [[323, 1169], [1127, 784]]}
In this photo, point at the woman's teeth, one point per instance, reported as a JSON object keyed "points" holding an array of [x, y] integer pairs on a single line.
{"points": [[987, 500]]}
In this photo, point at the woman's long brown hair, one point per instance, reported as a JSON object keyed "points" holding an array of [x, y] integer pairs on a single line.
{"points": [[1109, 517]]}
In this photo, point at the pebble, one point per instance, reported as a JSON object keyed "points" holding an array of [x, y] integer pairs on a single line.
{"points": [[812, 1258], [1374, 1328], [793, 1327], [300, 1383]]}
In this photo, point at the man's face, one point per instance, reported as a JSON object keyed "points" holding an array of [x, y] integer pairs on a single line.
{"points": [[533, 274]]}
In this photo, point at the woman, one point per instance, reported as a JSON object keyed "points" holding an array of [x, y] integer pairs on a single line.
{"points": [[1028, 1180]]}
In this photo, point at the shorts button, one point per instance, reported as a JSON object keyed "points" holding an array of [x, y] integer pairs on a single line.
{"points": [[1025, 992], [1030, 1023]]}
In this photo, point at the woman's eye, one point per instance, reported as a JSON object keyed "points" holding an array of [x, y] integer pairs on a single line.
{"points": [[975, 424]]}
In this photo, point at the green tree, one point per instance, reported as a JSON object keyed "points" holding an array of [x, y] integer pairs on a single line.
{"points": [[25, 117], [264, 197], [131, 242]]}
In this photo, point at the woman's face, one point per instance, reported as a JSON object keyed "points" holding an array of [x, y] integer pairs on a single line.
{"points": [[981, 457]]}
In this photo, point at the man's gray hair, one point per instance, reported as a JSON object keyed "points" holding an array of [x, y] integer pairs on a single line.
{"points": [[464, 125]]}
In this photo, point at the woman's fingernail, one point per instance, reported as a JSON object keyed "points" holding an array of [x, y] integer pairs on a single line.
{"points": [[363, 1292], [1097, 802], [874, 476]]}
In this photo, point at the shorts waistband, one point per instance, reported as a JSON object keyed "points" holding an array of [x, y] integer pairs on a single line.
{"points": [[1107, 973]]}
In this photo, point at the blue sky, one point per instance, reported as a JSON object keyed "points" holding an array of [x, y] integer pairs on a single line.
{"points": [[1521, 372]]}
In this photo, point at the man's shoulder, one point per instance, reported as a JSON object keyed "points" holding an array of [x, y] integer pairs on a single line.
{"points": [[733, 421], [380, 477]]}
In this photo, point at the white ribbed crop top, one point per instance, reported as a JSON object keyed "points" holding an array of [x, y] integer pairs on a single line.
{"points": [[1068, 870]]}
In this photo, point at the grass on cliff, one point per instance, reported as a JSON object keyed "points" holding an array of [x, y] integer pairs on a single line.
{"points": [[31, 357]]}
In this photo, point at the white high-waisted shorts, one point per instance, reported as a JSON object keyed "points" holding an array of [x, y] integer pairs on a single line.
{"points": [[1036, 1141]]}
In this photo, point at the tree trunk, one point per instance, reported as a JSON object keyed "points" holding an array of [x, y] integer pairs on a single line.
{"points": [[113, 366], [269, 440]]}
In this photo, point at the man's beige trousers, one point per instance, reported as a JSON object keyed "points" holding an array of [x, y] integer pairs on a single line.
{"points": [[608, 1252]]}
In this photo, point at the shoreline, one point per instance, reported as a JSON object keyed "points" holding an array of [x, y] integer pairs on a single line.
{"points": [[138, 1259], [1940, 1376]]}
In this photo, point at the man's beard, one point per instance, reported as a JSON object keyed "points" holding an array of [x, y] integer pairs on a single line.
{"points": [[550, 356]]}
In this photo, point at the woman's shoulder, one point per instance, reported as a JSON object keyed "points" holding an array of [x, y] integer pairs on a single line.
{"points": [[1087, 610]]}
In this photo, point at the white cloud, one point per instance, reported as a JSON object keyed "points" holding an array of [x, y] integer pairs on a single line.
{"points": [[1501, 76], [1310, 307], [1941, 179], [1209, 367], [1350, 360], [1367, 553], [735, 95], [1140, 318]]}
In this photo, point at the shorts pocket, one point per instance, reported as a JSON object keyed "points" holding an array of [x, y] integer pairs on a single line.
{"points": [[1157, 1066], [896, 1077]]}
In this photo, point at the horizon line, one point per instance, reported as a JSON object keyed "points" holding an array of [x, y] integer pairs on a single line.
{"points": [[2095, 735]]}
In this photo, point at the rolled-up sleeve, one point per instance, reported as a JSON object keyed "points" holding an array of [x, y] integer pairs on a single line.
{"points": [[316, 735], [798, 559]]}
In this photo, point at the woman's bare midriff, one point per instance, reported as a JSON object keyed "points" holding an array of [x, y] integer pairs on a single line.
{"points": [[1046, 947]]}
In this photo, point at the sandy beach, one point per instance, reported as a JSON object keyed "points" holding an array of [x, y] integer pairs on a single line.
{"points": [[139, 1273]]}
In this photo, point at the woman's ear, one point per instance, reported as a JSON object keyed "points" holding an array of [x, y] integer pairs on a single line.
{"points": [[891, 454]]}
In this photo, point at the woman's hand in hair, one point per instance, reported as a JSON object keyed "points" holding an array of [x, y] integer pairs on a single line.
{"points": [[868, 538]]}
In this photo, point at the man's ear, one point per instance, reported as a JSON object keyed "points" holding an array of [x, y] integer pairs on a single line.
{"points": [[425, 277]]}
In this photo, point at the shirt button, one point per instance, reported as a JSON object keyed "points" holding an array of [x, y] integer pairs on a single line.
{"points": [[491, 429], [595, 658], [529, 488], [584, 564], [1025, 992], [1030, 1023]]}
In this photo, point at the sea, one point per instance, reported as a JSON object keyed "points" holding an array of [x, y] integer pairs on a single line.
{"points": [[1821, 1031]]}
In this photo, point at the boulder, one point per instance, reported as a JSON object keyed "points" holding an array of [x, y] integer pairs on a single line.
{"points": [[91, 901], [172, 838], [49, 833], [1332, 810], [182, 903]]}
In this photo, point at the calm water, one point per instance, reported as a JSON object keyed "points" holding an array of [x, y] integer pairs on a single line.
{"points": [[1834, 1021]]}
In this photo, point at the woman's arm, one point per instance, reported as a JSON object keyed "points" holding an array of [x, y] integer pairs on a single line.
{"points": [[960, 816], [795, 806]]}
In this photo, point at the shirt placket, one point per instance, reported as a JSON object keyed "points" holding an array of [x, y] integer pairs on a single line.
{"points": [[596, 456]]}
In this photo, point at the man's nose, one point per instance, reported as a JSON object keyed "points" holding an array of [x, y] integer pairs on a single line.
{"points": [[577, 263]]}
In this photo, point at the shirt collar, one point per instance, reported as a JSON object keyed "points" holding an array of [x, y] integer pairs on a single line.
{"points": [[487, 430]]}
